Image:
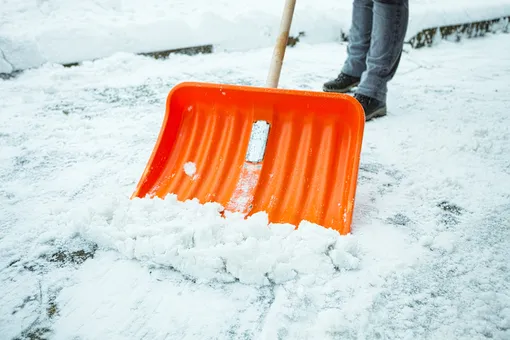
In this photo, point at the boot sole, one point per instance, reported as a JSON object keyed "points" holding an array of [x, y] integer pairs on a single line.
{"points": [[377, 113], [344, 90]]}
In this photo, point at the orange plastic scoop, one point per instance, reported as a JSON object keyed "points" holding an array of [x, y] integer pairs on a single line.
{"points": [[309, 169], [293, 154]]}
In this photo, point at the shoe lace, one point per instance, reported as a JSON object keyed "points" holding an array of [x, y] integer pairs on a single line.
{"points": [[341, 77], [363, 100]]}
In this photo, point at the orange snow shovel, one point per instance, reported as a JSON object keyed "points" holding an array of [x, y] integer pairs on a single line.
{"points": [[290, 153]]}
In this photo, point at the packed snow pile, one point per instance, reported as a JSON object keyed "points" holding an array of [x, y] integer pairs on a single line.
{"points": [[198, 242]]}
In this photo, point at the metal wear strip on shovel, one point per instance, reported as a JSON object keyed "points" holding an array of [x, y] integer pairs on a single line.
{"points": [[293, 154]]}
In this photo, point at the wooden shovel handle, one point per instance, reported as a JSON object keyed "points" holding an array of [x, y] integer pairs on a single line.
{"points": [[281, 43]]}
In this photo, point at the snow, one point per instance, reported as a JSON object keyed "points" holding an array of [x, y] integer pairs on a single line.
{"points": [[427, 257], [199, 243], [190, 168], [74, 31], [258, 141]]}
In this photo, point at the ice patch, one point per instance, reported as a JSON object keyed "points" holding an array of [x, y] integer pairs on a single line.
{"points": [[197, 241], [444, 242]]}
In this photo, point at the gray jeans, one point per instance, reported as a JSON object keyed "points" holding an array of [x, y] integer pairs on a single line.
{"points": [[376, 38]]}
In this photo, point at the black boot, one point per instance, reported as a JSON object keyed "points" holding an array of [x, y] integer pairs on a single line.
{"points": [[373, 108], [343, 83]]}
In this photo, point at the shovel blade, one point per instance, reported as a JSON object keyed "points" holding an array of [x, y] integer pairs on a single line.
{"points": [[306, 169]]}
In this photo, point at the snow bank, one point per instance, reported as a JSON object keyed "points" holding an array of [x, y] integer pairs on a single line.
{"points": [[431, 13], [195, 240], [59, 31], [75, 31]]}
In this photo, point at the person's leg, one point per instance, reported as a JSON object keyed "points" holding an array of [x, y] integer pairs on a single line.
{"points": [[390, 23], [359, 38], [357, 48]]}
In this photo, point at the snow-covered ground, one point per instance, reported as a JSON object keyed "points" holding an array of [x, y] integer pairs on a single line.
{"points": [[64, 31], [427, 258]]}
